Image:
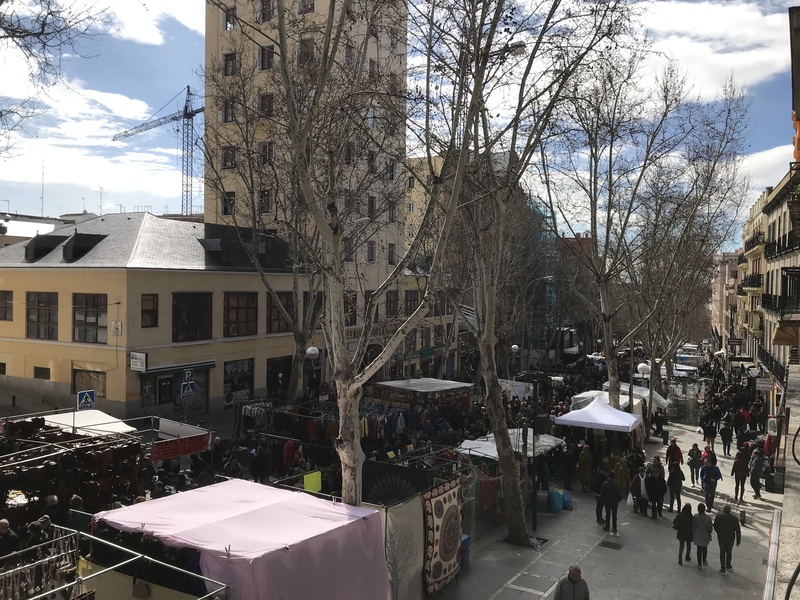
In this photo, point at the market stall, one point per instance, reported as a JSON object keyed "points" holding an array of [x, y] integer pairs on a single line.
{"points": [[268, 543], [599, 415], [425, 391]]}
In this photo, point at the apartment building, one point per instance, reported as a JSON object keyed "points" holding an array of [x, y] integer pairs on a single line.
{"points": [[723, 306]]}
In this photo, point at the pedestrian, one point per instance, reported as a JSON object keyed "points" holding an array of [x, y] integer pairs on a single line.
{"points": [[756, 467], [9, 540], [570, 461], [656, 489], [739, 472], [597, 483], [702, 526], [726, 436], [709, 476], [621, 475], [684, 523], [572, 587], [656, 468], [710, 433], [674, 454], [658, 421], [612, 496], [639, 492], [694, 463], [585, 464], [728, 531], [675, 484]]}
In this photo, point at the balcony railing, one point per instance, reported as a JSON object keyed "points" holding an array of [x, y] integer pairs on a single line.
{"points": [[771, 303], [741, 259], [754, 241], [740, 290], [754, 280], [772, 364], [783, 245], [780, 305]]}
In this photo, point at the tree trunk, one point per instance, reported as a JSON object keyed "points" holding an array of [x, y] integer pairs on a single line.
{"points": [[298, 363], [612, 364], [348, 444], [512, 490]]}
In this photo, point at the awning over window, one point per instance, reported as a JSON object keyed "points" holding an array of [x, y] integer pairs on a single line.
{"points": [[173, 369], [786, 335]]}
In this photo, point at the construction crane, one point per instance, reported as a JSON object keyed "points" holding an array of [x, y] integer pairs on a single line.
{"points": [[187, 115]]}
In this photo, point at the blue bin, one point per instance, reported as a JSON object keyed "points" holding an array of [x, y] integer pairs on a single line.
{"points": [[465, 544]]}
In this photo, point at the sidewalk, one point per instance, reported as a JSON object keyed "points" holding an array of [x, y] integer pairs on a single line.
{"points": [[642, 561]]}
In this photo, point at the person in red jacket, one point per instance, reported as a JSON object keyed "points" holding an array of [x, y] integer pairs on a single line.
{"points": [[674, 454], [739, 472]]}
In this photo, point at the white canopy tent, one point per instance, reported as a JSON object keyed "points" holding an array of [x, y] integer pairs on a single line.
{"points": [[640, 392], [599, 415], [268, 543], [89, 422], [486, 446]]}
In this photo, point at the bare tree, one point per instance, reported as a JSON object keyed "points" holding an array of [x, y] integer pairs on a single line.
{"points": [[40, 32], [615, 136]]}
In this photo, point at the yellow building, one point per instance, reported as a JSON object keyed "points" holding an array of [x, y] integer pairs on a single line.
{"points": [[751, 277], [130, 305]]}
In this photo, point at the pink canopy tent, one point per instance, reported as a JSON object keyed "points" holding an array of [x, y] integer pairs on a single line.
{"points": [[267, 543], [599, 415]]}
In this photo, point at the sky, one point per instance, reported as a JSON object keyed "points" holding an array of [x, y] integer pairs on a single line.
{"points": [[148, 52]]}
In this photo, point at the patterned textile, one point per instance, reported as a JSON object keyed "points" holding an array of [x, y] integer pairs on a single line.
{"points": [[442, 506]]}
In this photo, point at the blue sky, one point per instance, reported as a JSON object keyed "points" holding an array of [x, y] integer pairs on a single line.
{"points": [[151, 52]]}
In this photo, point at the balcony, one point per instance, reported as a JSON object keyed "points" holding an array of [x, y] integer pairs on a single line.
{"points": [[771, 304], [784, 245], [741, 259], [754, 242], [754, 280], [772, 364], [784, 307], [740, 290]]}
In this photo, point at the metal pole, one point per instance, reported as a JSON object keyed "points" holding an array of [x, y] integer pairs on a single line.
{"points": [[13, 400]]}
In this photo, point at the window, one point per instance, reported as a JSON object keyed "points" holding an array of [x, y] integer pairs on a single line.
{"points": [[349, 151], [275, 321], [305, 52], [228, 111], [266, 11], [391, 170], [392, 215], [228, 157], [229, 203], [411, 341], [438, 335], [41, 373], [350, 307], [412, 302], [372, 206], [191, 316], [90, 318], [306, 6], [2, 368], [241, 314], [230, 18], [42, 316], [266, 202], [425, 337], [372, 163], [411, 183], [347, 249], [229, 64], [6, 305], [391, 303], [410, 207], [372, 251], [267, 58], [350, 56], [411, 231], [392, 254], [266, 105], [372, 117], [149, 310], [373, 69], [266, 153]]}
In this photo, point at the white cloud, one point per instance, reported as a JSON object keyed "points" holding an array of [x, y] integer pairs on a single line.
{"points": [[713, 40], [139, 20], [768, 167]]}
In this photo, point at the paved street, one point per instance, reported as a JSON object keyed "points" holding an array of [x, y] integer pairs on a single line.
{"points": [[642, 561]]}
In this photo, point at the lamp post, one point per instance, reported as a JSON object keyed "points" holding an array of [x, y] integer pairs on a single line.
{"points": [[515, 357], [644, 369]]}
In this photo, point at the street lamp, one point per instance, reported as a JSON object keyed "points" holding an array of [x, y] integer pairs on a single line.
{"points": [[644, 369]]}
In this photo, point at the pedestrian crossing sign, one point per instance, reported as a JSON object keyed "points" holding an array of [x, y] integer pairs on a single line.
{"points": [[86, 400]]}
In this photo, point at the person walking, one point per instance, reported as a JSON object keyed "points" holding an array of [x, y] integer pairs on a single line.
{"points": [[694, 462], [684, 524], [710, 433], [611, 495], [726, 437], [709, 476], [702, 526], [756, 468], [656, 489], [728, 531], [585, 465], [675, 484], [639, 492], [739, 472], [597, 483], [673, 454], [572, 587], [622, 476]]}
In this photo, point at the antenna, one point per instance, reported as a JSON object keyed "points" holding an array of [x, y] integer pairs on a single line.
{"points": [[42, 196], [84, 203], [101, 200], [121, 207]]}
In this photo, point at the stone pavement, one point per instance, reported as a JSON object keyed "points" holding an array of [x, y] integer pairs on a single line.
{"points": [[640, 562]]}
